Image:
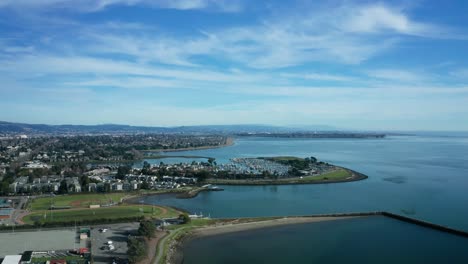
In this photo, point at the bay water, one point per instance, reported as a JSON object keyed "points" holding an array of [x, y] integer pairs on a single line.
{"points": [[421, 176]]}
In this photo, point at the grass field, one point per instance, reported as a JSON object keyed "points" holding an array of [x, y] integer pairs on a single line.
{"points": [[75, 201], [340, 174], [116, 212]]}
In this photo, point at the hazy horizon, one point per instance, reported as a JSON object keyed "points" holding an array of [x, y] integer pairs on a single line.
{"points": [[312, 127], [386, 65]]}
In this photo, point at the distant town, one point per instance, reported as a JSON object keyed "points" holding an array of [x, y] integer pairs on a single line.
{"points": [[96, 181], [105, 164]]}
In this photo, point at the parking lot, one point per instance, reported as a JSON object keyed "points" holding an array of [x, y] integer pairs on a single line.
{"points": [[118, 234], [17, 242]]}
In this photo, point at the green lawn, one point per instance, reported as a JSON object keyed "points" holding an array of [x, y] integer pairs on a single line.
{"points": [[76, 200], [116, 212], [336, 175], [339, 174]]}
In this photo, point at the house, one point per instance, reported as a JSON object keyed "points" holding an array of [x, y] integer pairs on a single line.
{"points": [[134, 185], [117, 186], [127, 186], [76, 187], [14, 188], [54, 186], [92, 187]]}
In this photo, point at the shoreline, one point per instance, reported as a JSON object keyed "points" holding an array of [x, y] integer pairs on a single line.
{"points": [[175, 247], [189, 194], [356, 176], [174, 252], [237, 226], [229, 142]]}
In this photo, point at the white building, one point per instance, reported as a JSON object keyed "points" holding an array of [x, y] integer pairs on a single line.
{"points": [[12, 259]]}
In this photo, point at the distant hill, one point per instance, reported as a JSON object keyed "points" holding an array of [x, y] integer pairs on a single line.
{"points": [[8, 127]]}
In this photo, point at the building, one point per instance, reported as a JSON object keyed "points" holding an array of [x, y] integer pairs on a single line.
{"points": [[5, 203], [92, 187], [12, 259], [5, 213], [117, 186]]}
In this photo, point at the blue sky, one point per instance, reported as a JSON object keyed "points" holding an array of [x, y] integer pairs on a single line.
{"points": [[349, 64]]}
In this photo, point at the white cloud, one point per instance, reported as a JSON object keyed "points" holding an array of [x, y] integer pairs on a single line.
{"points": [[374, 18], [319, 77], [232, 73], [384, 19], [332, 36], [345, 34], [397, 75], [97, 5]]}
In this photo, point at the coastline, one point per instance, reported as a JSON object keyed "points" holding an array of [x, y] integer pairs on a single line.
{"points": [[356, 176], [229, 142], [188, 194], [237, 226], [175, 247]]}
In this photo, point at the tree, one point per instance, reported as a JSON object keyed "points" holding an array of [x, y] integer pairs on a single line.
{"points": [[63, 188], [185, 218], [146, 167], [147, 229], [122, 171], [145, 185], [107, 187], [4, 188], [84, 180], [266, 174], [137, 249], [202, 175]]}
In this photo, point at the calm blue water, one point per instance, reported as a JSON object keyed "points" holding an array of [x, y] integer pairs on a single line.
{"points": [[425, 177], [171, 160], [363, 240]]}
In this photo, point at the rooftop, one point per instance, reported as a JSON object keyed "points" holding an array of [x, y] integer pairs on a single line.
{"points": [[12, 259]]}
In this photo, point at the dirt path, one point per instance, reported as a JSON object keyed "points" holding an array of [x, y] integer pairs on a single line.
{"points": [[18, 219], [153, 247], [160, 248], [163, 210]]}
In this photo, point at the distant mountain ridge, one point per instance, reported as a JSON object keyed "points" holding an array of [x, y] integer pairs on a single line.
{"points": [[9, 127]]}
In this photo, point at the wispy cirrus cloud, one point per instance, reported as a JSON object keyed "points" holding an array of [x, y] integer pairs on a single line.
{"points": [[349, 34], [98, 5], [332, 62], [397, 75]]}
